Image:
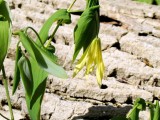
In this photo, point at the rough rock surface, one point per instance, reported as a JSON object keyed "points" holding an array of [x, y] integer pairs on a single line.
{"points": [[130, 34]]}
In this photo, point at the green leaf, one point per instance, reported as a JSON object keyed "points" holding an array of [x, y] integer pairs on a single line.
{"points": [[139, 104], [34, 80], [26, 75], [39, 85], [91, 3], [1, 1], [146, 1], [45, 59], [151, 109], [61, 14], [86, 29], [4, 40], [5, 11], [35, 110], [135, 114], [5, 30], [16, 78], [38, 79], [158, 2], [156, 111]]}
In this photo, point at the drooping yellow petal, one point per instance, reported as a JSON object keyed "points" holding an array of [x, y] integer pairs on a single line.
{"points": [[90, 61], [81, 63], [92, 58], [100, 64]]}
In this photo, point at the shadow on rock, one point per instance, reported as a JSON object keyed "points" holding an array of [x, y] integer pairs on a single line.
{"points": [[103, 113]]}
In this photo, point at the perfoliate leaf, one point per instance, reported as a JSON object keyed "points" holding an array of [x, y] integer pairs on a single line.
{"points": [[16, 78], [39, 77], [34, 80], [133, 114], [26, 75], [139, 104], [151, 109], [86, 29], [4, 40], [5, 11], [157, 111], [35, 110], [5, 30], [61, 14], [45, 59], [91, 3]]}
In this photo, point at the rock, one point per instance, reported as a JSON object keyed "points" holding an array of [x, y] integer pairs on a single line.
{"points": [[145, 47], [137, 17], [128, 68], [6, 113], [115, 31], [9, 67], [66, 109], [107, 41], [89, 89]]}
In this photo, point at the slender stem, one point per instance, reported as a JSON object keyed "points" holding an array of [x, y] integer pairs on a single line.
{"points": [[55, 30], [71, 5], [7, 92], [40, 40], [59, 23]]}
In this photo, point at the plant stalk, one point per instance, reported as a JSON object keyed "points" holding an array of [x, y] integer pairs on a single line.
{"points": [[7, 92], [55, 30], [71, 5], [59, 23]]}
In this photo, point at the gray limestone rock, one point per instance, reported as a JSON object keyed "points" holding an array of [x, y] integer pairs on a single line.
{"points": [[145, 47]]}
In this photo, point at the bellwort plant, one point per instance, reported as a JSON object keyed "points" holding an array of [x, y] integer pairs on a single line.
{"points": [[38, 58], [5, 37]]}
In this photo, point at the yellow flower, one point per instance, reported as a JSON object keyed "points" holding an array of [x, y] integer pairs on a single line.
{"points": [[92, 58]]}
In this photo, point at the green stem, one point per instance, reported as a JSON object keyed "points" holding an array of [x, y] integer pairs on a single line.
{"points": [[7, 92], [55, 30], [59, 23], [71, 5]]}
